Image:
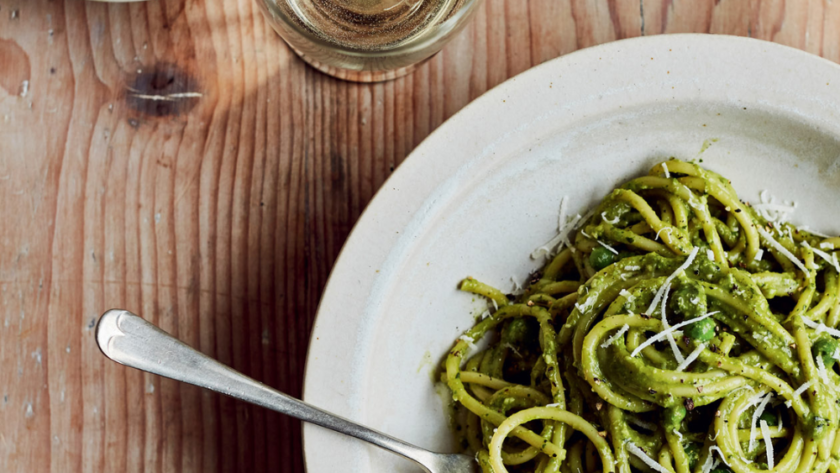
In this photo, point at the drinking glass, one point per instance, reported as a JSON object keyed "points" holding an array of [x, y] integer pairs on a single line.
{"points": [[367, 40]]}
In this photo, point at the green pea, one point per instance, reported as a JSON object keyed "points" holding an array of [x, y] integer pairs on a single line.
{"points": [[825, 349], [770, 418], [521, 332], [702, 330], [601, 257]]}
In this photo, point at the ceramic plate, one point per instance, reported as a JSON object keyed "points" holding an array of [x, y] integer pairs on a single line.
{"points": [[483, 191]]}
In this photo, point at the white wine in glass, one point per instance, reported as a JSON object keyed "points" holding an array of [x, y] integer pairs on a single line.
{"points": [[367, 40]]}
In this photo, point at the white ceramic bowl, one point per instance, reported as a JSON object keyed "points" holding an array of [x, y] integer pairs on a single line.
{"points": [[483, 190]]}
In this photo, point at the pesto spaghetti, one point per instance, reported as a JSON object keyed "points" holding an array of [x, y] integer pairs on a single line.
{"points": [[676, 329]]}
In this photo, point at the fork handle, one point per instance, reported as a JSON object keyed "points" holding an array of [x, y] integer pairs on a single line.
{"points": [[128, 339]]}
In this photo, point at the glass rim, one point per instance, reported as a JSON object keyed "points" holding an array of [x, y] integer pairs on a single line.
{"points": [[450, 23]]}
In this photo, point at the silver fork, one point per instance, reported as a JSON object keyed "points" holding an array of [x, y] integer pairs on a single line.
{"points": [[132, 341]]}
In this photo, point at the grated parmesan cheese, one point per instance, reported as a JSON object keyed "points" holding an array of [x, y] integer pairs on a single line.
{"points": [[625, 293], [820, 327], [758, 411], [781, 249], [611, 222], [712, 449], [615, 337], [759, 254], [677, 353], [517, 288], [765, 432], [632, 448], [599, 242], [670, 278], [678, 434], [806, 228], [660, 231], [830, 258], [556, 404], [826, 245], [632, 268], [709, 463], [821, 370], [771, 211], [667, 173], [659, 336], [470, 342], [800, 389], [564, 227], [607, 246], [691, 357], [710, 255]]}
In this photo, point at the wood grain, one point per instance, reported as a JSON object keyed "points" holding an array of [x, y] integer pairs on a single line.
{"points": [[219, 217]]}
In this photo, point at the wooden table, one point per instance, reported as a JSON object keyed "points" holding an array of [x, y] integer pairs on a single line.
{"points": [[218, 214]]}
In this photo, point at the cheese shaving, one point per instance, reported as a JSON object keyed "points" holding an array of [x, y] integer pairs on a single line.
{"points": [[826, 245], [821, 370], [678, 434], [768, 443], [667, 173], [670, 278], [556, 404], [820, 327], [615, 337], [516, 286], [756, 414], [632, 448], [759, 254], [659, 336], [710, 463], [674, 348], [660, 231], [772, 211], [806, 228], [632, 268], [800, 389], [691, 357], [712, 449], [495, 305], [470, 341], [561, 214], [781, 249], [607, 246], [710, 255], [611, 222], [830, 258], [599, 242], [564, 227], [625, 293]]}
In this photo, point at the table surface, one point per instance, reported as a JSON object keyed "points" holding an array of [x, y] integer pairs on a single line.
{"points": [[218, 215]]}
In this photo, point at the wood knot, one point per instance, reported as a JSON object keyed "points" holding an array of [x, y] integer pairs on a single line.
{"points": [[164, 91]]}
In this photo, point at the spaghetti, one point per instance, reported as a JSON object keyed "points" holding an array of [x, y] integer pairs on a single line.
{"points": [[677, 330]]}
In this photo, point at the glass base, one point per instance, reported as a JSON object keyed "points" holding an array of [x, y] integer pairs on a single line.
{"points": [[358, 76]]}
